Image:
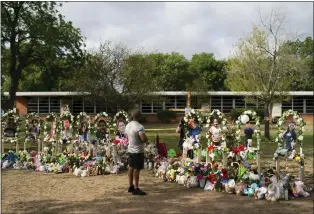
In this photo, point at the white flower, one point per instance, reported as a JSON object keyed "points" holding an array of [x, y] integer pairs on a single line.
{"points": [[295, 117], [275, 155], [207, 125], [208, 120], [193, 111], [254, 113], [279, 122], [276, 140], [223, 123], [300, 138], [218, 113], [303, 129]]}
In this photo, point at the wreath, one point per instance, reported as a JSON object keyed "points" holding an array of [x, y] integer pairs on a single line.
{"points": [[29, 118], [121, 114], [196, 116], [299, 122], [257, 131], [10, 114], [49, 119], [193, 115], [223, 119], [101, 116], [81, 117]]}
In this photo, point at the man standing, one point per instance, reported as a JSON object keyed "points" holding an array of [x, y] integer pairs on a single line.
{"points": [[135, 134]]}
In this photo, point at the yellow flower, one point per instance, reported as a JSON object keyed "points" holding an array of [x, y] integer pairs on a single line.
{"points": [[297, 158]]}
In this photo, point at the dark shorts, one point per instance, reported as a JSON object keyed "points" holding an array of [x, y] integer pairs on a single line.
{"points": [[136, 160]]}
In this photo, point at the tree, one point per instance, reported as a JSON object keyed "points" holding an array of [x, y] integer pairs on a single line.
{"points": [[35, 33], [209, 70], [263, 66], [303, 50], [115, 76]]}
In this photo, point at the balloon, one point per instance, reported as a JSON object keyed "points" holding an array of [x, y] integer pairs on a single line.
{"points": [[245, 119]]}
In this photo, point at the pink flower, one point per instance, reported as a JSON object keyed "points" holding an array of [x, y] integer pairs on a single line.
{"points": [[199, 177]]}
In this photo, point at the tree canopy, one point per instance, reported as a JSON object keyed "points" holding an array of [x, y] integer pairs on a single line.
{"points": [[37, 42]]}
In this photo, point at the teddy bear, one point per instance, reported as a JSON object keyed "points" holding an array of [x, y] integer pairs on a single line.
{"points": [[299, 187], [260, 193]]}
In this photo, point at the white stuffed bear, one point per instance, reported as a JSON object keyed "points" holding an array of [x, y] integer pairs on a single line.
{"points": [[77, 172], [299, 186], [5, 164]]}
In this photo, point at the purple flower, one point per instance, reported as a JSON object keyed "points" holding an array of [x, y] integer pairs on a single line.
{"points": [[94, 142], [64, 141]]}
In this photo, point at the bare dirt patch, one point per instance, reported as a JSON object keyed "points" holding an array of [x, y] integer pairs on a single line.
{"points": [[34, 192]]}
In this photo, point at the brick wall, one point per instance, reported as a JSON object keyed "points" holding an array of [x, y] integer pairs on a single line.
{"points": [[21, 105]]}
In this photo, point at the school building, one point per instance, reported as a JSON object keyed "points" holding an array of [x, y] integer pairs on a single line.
{"points": [[225, 101]]}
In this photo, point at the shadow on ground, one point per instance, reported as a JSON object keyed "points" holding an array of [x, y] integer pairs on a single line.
{"points": [[66, 193]]}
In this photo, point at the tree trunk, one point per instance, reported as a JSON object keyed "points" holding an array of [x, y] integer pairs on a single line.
{"points": [[266, 120], [12, 91]]}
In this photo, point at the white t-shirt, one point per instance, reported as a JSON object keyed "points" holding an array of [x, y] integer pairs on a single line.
{"points": [[215, 133], [132, 130]]}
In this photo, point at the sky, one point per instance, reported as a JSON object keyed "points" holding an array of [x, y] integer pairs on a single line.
{"points": [[184, 27]]}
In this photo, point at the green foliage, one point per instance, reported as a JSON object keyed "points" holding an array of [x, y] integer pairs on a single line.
{"points": [[236, 112], [166, 116], [31, 33], [209, 71]]}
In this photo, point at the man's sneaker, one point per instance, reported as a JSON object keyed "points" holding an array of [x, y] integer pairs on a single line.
{"points": [[138, 192], [131, 189]]}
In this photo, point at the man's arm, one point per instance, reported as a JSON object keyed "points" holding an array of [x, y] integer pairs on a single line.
{"points": [[143, 137]]}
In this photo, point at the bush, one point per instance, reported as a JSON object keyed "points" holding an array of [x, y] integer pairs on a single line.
{"points": [[165, 116], [236, 112]]}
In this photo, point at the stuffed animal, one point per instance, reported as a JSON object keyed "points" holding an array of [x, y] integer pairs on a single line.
{"points": [[42, 168], [191, 182], [230, 186], [5, 164], [260, 193], [85, 172], [181, 179], [239, 188], [299, 187], [273, 192], [77, 172], [253, 177]]}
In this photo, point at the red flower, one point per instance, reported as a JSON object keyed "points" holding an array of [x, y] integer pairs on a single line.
{"points": [[210, 148], [212, 178], [241, 148], [235, 150], [116, 141]]}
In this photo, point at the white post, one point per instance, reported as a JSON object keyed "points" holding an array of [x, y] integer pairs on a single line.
{"points": [[24, 145], [185, 153], [224, 159], [38, 142], [258, 163], [278, 165], [17, 147], [2, 146], [301, 172], [199, 155]]}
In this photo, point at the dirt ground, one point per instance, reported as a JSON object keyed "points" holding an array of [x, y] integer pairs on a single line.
{"points": [[35, 192]]}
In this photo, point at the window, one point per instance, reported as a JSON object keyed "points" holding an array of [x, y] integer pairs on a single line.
{"points": [[239, 102], [146, 108], [287, 105], [227, 104], [215, 103], [77, 105], [181, 102], [55, 104], [43, 103], [88, 106], [251, 105], [157, 106], [32, 105], [170, 102], [298, 104], [100, 106], [309, 105]]}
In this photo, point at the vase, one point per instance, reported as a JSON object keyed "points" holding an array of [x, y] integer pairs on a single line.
{"points": [[202, 182]]}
